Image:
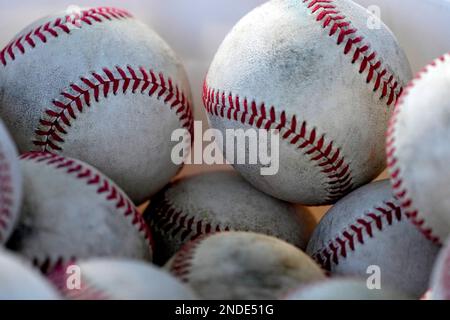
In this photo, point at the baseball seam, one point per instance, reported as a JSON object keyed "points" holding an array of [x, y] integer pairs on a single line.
{"points": [[347, 240], [48, 264], [87, 290], [56, 121], [6, 197], [327, 157], [395, 171], [53, 29], [104, 187], [182, 261], [327, 13], [171, 221]]}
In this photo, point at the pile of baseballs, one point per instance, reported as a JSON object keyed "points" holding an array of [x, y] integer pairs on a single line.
{"points": [[90, 97]]}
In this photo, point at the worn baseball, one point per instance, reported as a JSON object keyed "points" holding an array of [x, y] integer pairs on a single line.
{"points": [[440, 280], [317, 72], [113, 279], [18, 281], [10, 185], [220, 201], [343, 289], [98, 85], [242, 265], [417, 150], [367, 233], [71, 211]]}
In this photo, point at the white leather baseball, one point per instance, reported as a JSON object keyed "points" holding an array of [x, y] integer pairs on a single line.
{"points": [[343, 289], [220, 201], [315, 71], [10, 185], [114, 279], [242, 265], [368, 228], [440, 279], [71, 211], [99, 86], [18, 281], [418, 153]]}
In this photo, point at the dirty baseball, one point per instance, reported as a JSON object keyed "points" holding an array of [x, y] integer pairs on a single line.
{"points": [[226, 158]]}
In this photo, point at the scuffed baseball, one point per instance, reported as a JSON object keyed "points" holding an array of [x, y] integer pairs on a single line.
{"points": [[315, 71], [18, 281], [98, 85], [440, 280], [220, 201], [343, 289], [368, 228], [113, 279], [418, 153], [242, 265], [10, 185], [71, 211]]}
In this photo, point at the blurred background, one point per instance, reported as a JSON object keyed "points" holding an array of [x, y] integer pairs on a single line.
{"points": [[195, 29]]}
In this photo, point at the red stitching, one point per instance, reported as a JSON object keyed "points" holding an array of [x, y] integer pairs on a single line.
{"points": [[400, 190], [6, 196], [49, 135], [47, 264], [338, 248], [87, 290], [104, 187], [164, 218], [182, 261], [53, 29], [328, 14], [326, 155]]}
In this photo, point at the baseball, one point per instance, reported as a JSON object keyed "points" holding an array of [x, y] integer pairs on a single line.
{"points": [[21, 282], [314, 71], [10, 185], [114, 187], [242, 265], [100, 86], [112, 279], [368, 228], [342, 289], [71, 211], [220, 201], [417, 150], [440, 279]]}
